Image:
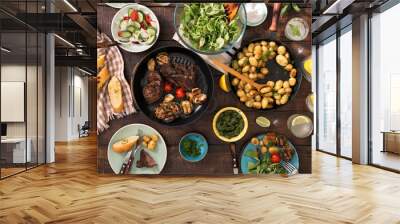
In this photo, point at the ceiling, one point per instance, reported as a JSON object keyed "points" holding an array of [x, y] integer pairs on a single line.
{"points": [[21, 22], [332, 15]]}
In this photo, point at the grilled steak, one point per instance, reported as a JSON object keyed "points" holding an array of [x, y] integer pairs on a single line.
{"points": [[180, 75], [152, 91]]}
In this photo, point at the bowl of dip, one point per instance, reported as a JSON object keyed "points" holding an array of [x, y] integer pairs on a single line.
{"points": [[256, 13]]}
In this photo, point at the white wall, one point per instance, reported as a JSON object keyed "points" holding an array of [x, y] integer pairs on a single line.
{"points": [[33, 127], [69, 82], [16, 73]]}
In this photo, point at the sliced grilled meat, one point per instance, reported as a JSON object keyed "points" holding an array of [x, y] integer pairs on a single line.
{"points": [[153, 76], [145, 160], [180, 75]]}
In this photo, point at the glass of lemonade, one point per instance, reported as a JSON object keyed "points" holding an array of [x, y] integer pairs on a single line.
{"points": [[300, 125]]}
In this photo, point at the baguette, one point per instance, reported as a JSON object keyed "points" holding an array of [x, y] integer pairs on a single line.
{"points": [[101, 61], [115, 94], [125, 144], [102, 78]]}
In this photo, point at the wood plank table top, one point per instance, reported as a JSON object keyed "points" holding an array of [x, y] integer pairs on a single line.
{"points": [[218, 160]]}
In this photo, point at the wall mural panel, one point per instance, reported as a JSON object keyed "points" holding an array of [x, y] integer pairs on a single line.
{"points": [[204, 89]]}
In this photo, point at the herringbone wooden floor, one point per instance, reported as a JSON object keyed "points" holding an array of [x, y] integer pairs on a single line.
{"points": [[70, 191]]}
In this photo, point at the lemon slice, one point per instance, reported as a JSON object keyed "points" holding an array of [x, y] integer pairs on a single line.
{"points": [[308, 66], [263, 122], [224, 83], [299, 120]]}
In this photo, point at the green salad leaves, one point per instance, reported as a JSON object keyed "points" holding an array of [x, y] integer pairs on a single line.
{"points": [[263, 165], [207, 27]]}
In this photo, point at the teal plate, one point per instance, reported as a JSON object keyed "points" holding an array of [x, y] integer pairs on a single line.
{"points": [[244, 160], [159, 154]]}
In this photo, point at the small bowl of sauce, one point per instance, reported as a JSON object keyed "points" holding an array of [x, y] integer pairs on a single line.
{"points": [[256, 13]]}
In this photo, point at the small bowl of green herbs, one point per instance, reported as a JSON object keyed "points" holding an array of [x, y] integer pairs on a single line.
{"points": [[230, 124], [210, 28], [193, 147]]}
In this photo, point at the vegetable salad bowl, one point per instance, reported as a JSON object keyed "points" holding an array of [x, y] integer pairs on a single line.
{"points": [[207, 28]]}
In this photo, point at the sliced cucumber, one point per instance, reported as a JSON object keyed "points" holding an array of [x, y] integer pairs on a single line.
{"points": [[131, 28], [140, 16], [123, 39], [135, 35], [143, 36], [123, 25], [130, 12], [151, 31], [136, 24], [124, 34], [150, 40]]}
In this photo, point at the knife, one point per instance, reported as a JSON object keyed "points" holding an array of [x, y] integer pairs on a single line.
{"points": [[137, 147], [232, 148], [128, 155], [126, 160]]}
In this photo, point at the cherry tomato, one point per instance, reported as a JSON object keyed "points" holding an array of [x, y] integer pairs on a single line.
{"points": [[275, 158], [148, 19], [134, 15], [168, 87], [126, 17], [180, 92]]}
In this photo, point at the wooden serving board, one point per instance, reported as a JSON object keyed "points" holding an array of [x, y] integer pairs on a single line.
{"points": [[218, 161]]}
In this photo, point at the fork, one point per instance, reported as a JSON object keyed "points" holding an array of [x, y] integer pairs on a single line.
{"points": [[292, 170], [137, 148]]}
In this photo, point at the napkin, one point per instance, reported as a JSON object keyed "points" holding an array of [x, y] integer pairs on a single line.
{"points": [[115, 65], [222, 57]]}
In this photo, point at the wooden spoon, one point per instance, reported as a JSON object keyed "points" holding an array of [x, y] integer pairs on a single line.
{"points": [[235, 73]]}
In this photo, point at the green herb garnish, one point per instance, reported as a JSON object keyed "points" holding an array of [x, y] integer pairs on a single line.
{"points": [[230, 123], [295, 30], [191, 147]]}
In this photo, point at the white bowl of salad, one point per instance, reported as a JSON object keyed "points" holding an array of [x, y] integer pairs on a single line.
{"points": [[136, 27]]}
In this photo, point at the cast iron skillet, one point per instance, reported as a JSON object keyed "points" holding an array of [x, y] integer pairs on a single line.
{"points": [[276, 72], [181, 56]]}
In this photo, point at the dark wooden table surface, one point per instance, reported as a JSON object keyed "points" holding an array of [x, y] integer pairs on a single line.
{"points": [[218, 160]]}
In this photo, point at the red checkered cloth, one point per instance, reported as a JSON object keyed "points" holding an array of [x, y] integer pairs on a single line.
{"points": [[115, 65]]}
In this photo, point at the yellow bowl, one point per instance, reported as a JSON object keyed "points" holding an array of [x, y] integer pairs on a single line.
{"points": [[242, 133]]}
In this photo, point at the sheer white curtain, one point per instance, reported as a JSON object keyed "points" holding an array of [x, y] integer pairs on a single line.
{"points": [[326, 96], [346, 93]]}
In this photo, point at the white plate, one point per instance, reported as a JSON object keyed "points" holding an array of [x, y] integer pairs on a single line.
{"points": [[159, 154], [132, 47]]}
